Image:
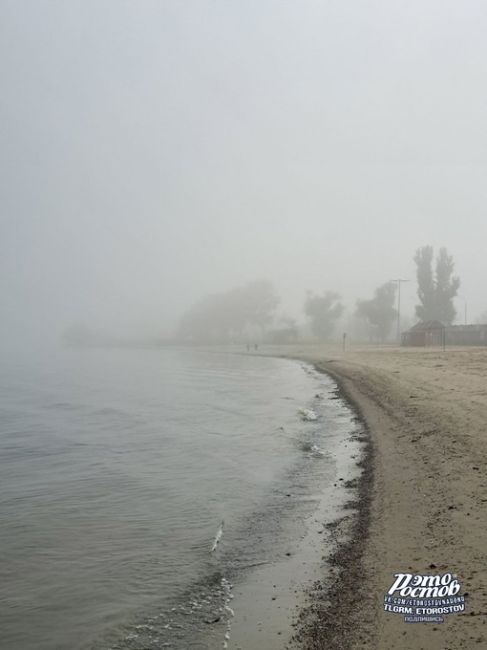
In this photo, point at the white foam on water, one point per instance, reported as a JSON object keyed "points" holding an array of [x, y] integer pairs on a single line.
{"points": [[218, 536], [307, 414], [316, 451]]}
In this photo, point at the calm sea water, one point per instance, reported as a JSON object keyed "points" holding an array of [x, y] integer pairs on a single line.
{"points": [[117, 469]]}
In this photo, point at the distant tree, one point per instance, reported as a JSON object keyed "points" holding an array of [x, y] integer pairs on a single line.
{"points": [[426, 283], [436, 290], [285, 330], [407, 321], [287, 321], [205, 321], [447, 286], [379, 312], [224, 316], [323, 312], [260, 302]]}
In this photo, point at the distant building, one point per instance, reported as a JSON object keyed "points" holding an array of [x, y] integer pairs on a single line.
{"points": [[435, 333], [424, 333], [466, 335]]}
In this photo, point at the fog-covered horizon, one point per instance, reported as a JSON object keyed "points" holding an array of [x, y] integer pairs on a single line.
{"points": [[156, 152]]}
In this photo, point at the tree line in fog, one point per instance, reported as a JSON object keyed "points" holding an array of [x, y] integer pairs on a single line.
{"points": [[230, 314], [251, 311]]}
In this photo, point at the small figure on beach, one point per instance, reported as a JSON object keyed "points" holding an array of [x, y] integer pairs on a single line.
{"points": [[256, 346]]}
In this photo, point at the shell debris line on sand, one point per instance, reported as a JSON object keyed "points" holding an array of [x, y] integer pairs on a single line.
{"points": [[218, 536], [307, 414]]}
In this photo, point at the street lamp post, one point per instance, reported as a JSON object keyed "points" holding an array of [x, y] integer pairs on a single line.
{"points": [[399, 282]]}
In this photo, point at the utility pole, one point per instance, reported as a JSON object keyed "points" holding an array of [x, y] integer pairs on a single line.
{"points": [[399, 282]]}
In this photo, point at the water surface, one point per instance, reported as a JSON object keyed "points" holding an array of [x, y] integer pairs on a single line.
{"points": [[117, 469]]}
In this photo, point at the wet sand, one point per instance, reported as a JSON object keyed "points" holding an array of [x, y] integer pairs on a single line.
{"points": [[269, 601], [426, 412]]}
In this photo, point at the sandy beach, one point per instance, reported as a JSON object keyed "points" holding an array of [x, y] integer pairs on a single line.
{"points": [[426, 413]]}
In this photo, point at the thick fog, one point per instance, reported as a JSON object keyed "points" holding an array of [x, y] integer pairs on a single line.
{"points": [[154, 152]]}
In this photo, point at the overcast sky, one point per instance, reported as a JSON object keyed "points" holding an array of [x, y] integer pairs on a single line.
{"points": [[155, 151]]}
